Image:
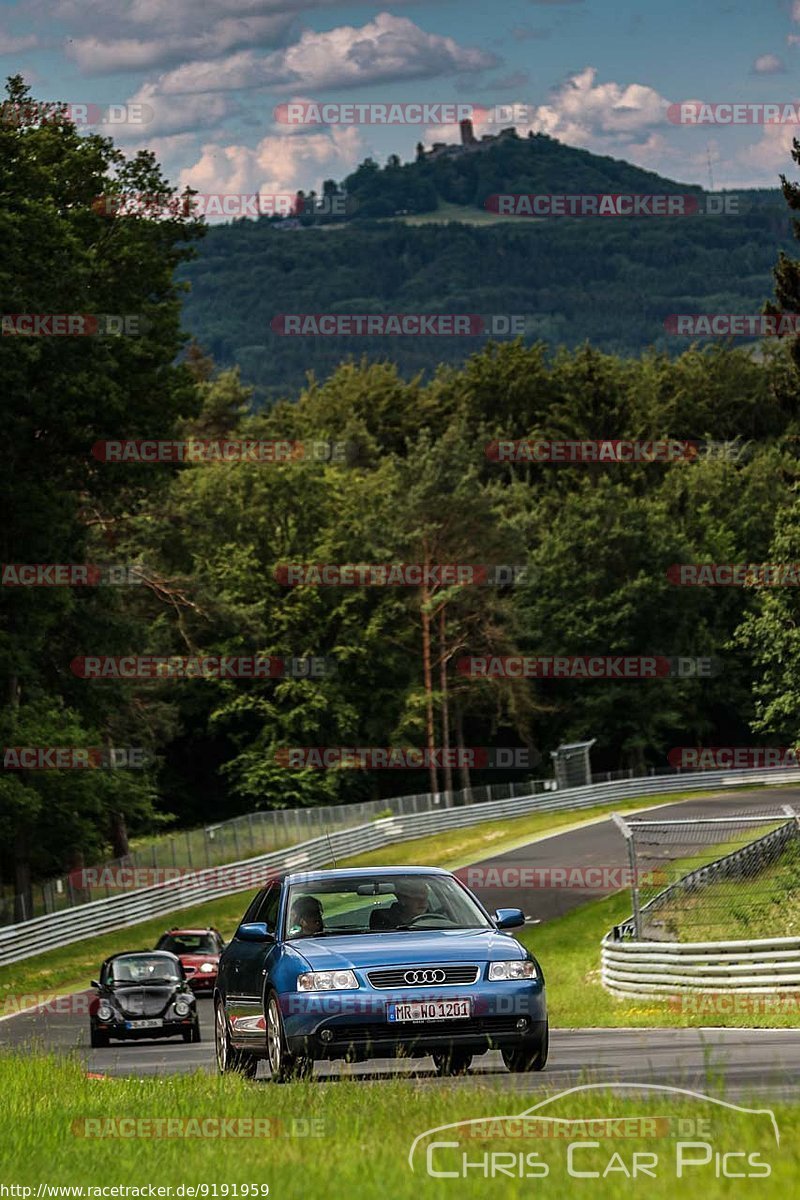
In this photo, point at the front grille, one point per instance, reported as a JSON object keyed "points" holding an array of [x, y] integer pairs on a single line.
{"points": [[360, 1035], [139, 1003], [449, 975]]}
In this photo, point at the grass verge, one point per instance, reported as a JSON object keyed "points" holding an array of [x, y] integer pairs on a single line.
{"points": [[363, 1132]]}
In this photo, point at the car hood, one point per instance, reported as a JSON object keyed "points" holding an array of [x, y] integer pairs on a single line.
{"points": [[148, 1001], [394, 949]]}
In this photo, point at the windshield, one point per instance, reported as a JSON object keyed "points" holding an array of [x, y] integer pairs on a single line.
{"points": [[380, 905], [189, 943], [144, 969]]}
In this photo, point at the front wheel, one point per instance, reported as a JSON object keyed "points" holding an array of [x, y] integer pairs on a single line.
{"points": [[282, 1064], [531, 1055], [229, 1059], [193, 1034], [98, 1040]]}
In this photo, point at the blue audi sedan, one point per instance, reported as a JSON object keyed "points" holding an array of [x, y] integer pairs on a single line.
{"points": [[373, 963]]}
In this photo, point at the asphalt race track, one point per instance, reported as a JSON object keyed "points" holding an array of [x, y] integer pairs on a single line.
{"points": [[752, 1061]]}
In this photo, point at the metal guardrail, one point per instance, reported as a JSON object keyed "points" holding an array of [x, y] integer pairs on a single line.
{"points": [[33, 937], [662, 969], [666, 969], [233, 840]]}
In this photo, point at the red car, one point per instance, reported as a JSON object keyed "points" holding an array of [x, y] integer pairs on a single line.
{"points": [[199, 951]]}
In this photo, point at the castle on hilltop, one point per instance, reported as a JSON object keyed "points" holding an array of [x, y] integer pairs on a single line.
{"points": [[469, 143]]}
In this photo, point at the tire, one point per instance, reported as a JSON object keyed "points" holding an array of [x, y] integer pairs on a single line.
{"points": [[229, 1060], [531, 1055], [97, 1040], [283, 1065], [452, 1062], [196, 1032]]}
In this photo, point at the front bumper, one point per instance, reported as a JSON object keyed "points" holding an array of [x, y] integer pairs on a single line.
{"points": [[354, 1024], [202, 983], [172, 1027]]}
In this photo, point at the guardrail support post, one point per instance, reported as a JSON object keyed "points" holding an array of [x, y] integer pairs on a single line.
{"points": [[627, 833]]}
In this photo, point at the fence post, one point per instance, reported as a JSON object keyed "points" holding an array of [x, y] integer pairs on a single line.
{"points": [[627, 833]]}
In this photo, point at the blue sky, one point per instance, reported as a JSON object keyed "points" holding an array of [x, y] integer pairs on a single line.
{"points": [[595, 73]]}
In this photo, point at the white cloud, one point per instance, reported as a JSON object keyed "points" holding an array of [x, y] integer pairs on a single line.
{"points": [[95, 56], [580, 109], [768, 64], [387, 48], [276, 165], [168, 115], [13, 45]]}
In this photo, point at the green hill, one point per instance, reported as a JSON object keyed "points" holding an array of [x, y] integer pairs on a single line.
{"points": [[610, 280]]}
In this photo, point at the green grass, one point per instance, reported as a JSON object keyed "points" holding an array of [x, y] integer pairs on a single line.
{"points": [[364, 1132], [466, 215], [766, 905]]}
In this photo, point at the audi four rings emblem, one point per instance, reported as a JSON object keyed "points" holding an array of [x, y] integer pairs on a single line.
{"points": [[436, 976]]}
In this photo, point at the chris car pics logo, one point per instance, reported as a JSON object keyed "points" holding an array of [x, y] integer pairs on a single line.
{"points": [[676, 1134]]}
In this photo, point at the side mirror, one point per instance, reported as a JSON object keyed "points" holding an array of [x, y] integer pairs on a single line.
{"points": [[509, 918], [254, 931], [95, 984]]}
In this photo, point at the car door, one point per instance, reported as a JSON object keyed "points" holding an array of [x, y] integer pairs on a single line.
{"points": [[250, 962]]}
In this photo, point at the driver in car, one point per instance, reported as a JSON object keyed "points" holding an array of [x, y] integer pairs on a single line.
{"points": [[411, 902], [306, 917]]}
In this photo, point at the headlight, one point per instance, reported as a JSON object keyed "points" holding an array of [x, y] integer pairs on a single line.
{"points": [[104, 1012], [326, 981], [182, 1008], [206, 968], [518, 968]]}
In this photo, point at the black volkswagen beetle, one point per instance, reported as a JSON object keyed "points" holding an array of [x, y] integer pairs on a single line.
{"points": [[142, 995]]}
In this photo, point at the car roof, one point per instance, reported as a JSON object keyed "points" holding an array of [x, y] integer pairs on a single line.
{"points": [[360, 873], [141, 954], [191, 932]]}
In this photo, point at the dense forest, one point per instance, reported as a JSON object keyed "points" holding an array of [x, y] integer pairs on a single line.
{"points": [[207, 541], [611, 281]]}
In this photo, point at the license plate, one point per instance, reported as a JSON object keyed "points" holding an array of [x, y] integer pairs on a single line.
{"points": [[150, 1024], [429, 1010]]}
